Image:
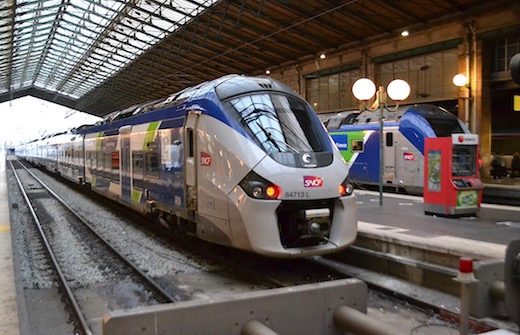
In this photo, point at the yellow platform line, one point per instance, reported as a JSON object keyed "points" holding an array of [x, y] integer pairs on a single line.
{"points": [[5, 227]]}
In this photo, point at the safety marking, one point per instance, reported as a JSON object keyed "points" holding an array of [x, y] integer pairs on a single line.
{"points": [[419, 199], [509, 224], [5, 227], [445, 243]]}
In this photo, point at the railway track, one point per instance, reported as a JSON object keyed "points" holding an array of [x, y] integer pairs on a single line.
{"points": [[61, 228], [256, 271]]}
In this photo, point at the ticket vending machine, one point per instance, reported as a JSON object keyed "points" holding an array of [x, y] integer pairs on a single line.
{"points": [[452, 185]]}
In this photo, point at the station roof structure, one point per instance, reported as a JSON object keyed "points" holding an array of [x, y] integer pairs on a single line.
{"points": [[98, 56]]}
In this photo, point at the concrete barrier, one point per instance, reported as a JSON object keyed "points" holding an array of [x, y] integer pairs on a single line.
{"points": [[303, 309]]}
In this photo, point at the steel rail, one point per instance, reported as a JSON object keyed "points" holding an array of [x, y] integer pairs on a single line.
{"points": [[84, 327], [154, 285]]}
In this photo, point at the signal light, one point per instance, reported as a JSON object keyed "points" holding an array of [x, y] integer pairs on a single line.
{"points": [[466, 265], [272, 191], [346, 188]]}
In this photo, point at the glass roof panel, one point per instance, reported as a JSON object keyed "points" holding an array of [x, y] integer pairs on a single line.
{"points": [[72, 46]]}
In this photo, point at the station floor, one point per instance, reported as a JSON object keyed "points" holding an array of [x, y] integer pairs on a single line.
{"points": [[8, 305], [401, 217]]}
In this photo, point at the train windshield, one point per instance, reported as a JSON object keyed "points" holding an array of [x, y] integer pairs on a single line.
{"points": [[444, 127], [279, 123], [284, 127]]}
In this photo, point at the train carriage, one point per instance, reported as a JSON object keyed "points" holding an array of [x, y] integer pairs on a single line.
{"points": [[239, 161], [69, 148], [357, 135]]}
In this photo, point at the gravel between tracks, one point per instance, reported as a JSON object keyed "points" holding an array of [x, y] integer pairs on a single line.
{"points": [[150, 254]]}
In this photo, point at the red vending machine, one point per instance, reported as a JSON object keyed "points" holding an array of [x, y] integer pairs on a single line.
{"points": [[452, 185]]}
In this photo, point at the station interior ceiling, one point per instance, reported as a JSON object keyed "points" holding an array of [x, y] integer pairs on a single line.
{"points": [[98, 56]]}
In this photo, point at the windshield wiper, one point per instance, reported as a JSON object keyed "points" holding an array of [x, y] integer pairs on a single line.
{"points": [[275, 141]]}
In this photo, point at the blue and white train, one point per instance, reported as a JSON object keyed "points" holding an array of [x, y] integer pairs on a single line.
{"points": [[239, 161], [357, 136]]}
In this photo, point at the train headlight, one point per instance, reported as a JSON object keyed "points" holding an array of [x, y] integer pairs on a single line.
{"points": [[260, 188], [257, 192], [346, 188]]}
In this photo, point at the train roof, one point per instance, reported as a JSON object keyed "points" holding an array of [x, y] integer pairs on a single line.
{"points": [[338, 119], [225, 87]]}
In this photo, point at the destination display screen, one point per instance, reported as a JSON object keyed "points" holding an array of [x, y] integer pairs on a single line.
{"points": [[464, 160]]}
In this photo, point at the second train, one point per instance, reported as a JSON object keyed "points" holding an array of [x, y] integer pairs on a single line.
{"points": [[356, 134]]}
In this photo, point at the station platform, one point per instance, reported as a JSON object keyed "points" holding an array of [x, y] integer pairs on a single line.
{"points": [[8, 304], [413, 244], [483, 236], [505, 190]]}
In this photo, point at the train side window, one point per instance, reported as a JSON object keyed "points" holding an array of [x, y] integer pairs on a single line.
{"points": [[100, 165], [92, 160], [115, 165], [389, 139], [191, 152], [356, 145], [138, 164], [152, 163], [107, 171], [138, 168]]}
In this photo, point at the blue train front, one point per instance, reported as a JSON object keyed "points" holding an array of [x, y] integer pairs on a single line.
{"points": [[405, 130], [239, 161]]}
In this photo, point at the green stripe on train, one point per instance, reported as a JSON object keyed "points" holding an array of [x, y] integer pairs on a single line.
{"points": [[136, 196], [150, 134], [99, 139]]}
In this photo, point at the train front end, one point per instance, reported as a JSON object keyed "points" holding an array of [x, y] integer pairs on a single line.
{"points": [[293, 198]]}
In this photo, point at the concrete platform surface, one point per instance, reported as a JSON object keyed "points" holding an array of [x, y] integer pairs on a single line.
{"points": [[8, 305]]}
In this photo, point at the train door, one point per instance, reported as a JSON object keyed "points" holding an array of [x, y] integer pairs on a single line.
{"points": [[190, 164], [389, 157], [126, 163], [409, 168]]}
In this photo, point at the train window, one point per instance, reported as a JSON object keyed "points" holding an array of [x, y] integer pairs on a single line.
{"points": [[115, 165], [115, 160], [138, 168], [279, 123], [357, 145], [137, 163], [100, 162], [190, 142], [152, 163], [92, 160], [389, 139], [444, 127], [107, 171]]}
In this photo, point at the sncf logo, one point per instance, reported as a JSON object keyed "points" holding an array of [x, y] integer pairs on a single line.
{"points": [[408, 156], [205, 159], [312, 181]]}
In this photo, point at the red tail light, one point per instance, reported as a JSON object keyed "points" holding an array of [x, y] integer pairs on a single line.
{"points": [[272, 191]]}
